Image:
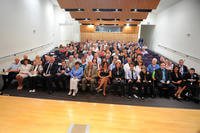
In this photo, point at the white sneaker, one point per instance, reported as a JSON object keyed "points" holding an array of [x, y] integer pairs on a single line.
{"points": [[74, 94], [135, 96], [70, 92]]}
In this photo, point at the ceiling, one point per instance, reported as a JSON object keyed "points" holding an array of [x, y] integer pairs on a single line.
{"points": [[121, 11]]}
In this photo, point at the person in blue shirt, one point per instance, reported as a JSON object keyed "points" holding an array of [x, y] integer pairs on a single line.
{"points": [[76, 74], [154, 66]]}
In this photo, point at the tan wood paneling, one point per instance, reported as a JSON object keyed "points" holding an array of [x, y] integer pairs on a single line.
{"points": [[108, 36], [125, 5], [129, 33]]}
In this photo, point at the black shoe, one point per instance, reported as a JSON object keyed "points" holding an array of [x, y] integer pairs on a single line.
{"points": [[50, 92]]}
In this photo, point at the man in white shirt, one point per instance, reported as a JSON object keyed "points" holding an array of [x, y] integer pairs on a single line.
{"points": [[127, 67], [12, 71]]}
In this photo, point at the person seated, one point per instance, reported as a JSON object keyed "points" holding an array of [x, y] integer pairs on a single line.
{"points": [[63, 76], [76, 74], [76, 57], [25, 57], [71, 61], [139, 67], [182, 68], [146, 82], [163, 78], [127, 66], [177, 80], [153, 66], [112, 65], [95, 64], [83, 63], [192, 82], [38, 60], [49, 73], [89, 77], [35, 74], [12, 71], [133, 82], [24, 72], [104, 74], [118, 76]]}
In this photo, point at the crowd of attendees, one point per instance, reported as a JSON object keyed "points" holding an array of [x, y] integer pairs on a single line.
{"points": [[102, 66]]}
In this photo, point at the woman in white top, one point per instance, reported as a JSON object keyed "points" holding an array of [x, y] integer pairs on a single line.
{"points": [[138, 68], [23, 73]]}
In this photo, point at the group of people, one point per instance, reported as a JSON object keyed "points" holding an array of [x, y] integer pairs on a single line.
{"points": [[94, 66]]}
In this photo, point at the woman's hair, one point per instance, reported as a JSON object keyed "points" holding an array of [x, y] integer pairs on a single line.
{"points": [[77, 63], [105, 62], [175, 66]]}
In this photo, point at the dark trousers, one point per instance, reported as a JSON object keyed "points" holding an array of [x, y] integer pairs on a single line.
{"points": [[194, 90], [64, 80], [48, 82], [148, 89], [7, 79], [118, 87], [91, 83], [135, 87], [34, 81], [166, 90]]}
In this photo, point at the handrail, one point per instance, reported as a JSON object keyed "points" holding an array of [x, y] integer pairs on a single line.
{"points": [[25, 51], [180, 53]]}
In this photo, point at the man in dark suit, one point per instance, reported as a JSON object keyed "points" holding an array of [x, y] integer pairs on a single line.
{"points": [[163, 78], [49, 73], [62, 76], [182, 68]]}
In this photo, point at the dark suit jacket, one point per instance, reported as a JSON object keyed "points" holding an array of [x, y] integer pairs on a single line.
{"points": [[158, 75], [53, 68], [195, 77], [120, 75], [185, 71], [144, 76]]}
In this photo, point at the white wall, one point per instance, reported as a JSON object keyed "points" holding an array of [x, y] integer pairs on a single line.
{"points": [[27, 24], [172, 28]]}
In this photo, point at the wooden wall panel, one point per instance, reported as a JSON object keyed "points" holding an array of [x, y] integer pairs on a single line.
{"points": [[108, 36], [129, 33]]}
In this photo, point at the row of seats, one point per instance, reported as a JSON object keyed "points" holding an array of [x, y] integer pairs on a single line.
{"points": [[130, 69]]}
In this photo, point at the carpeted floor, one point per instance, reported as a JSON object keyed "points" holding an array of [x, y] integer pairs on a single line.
{"points": [[110, 99], [99, 98]]}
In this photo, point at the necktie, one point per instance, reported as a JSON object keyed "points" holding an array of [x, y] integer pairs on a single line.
{"points": [[48, 69], [35, 68], [132, 74], [163, 75]]}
